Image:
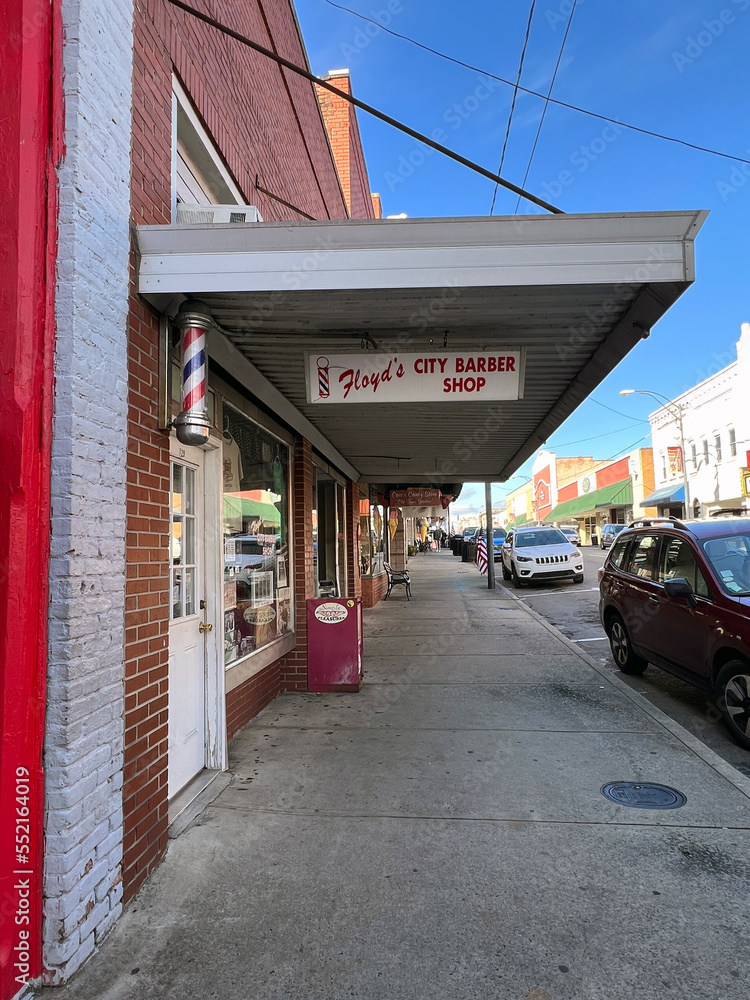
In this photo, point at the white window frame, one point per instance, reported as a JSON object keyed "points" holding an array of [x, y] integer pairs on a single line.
{"points": [[202, 155]]}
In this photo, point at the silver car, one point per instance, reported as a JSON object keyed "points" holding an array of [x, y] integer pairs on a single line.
{"points": [[609, 533]]}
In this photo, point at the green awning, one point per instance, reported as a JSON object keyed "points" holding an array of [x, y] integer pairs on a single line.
{"points": [[245, 507], [520, 519], [617, 495]]}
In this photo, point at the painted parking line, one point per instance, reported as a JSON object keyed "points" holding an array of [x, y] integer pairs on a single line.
{"points": [[599, 638], [548, 593]]}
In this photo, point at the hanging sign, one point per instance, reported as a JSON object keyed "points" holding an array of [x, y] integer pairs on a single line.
{"points": [[674, 459], [415, 498], [449, 376]]}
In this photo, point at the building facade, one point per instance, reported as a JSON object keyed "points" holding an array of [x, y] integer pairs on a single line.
{"points": [[582, 491], [163, 540], [179, 575], [711, 422]]}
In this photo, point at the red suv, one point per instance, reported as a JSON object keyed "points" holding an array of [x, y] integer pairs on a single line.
{"points": [[678, 595]]}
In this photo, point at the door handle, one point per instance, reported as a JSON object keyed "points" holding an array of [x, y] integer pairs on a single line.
{"points": [[205, 627], [653, 599]]}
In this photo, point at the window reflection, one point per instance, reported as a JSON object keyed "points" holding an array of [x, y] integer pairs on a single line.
{"points": [[183, 530], [257, 591]]}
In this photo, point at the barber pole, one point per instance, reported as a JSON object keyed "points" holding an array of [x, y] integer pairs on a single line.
{"points": [[192, 424]]}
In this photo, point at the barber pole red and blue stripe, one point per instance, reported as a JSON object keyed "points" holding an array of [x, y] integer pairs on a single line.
{"points": [[194, 369], [482, 556], [324, 378]]}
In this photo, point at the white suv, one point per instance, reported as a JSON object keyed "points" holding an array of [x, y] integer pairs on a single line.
{"points": [[538, 553]]}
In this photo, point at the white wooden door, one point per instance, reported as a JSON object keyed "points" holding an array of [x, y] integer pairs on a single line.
{"points": [[187, 629]]}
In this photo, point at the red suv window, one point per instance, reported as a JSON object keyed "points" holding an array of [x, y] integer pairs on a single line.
{"points": [[641, 560], [678, 560], [618, 551]]}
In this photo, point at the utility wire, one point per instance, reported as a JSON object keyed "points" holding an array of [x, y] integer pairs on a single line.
{"points": [[513, 101], [535, 93], [595, 437], [546, 101], [300, 71], [628, 416]]}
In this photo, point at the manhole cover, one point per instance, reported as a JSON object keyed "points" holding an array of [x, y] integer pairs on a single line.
{"points": [[643, 795]]}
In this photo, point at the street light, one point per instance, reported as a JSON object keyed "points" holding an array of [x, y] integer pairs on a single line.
{"points": [[668, 403]]}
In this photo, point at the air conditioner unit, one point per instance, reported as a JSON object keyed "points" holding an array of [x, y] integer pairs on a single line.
{"points": [[200, 215]]}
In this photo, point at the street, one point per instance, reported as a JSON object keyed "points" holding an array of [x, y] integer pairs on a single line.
{"points": [[574, 609]]}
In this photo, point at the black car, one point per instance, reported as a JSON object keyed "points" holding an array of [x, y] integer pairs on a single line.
{"points": [[677, 594]]}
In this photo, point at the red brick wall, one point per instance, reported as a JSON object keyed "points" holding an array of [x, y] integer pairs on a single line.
{"points": [[351, 500], [264, 119], [266, 122], [250, 698], [373, 590], [340, 119], [294, 665]]}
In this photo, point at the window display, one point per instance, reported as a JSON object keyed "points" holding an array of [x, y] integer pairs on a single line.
{"points": [[257, 595], [372, 538]]}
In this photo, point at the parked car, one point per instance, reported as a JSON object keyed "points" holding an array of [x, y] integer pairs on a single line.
{"points": [[498, 537], [609, 533], [539, 553], [677, 594], [572, 534]]}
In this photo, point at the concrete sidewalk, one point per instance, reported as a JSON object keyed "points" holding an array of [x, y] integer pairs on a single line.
{"points": [[442, 834]]}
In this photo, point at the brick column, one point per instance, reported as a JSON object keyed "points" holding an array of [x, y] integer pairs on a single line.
{"points": [[293, 668], [352, 555]]}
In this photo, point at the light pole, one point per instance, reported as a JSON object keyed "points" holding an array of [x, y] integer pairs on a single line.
{"points": [[678, 410]]}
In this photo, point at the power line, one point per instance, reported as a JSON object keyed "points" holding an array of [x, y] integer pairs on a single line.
{"points": [[547, 99], [628, 416], [535, 93], [595, 437], [513, 101], [300, 71]]}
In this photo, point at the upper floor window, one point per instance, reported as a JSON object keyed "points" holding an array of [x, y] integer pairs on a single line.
{"points": [[705, 451], [663, 466], [694, 455], [732, 442], [199, 175], [717, 446]]}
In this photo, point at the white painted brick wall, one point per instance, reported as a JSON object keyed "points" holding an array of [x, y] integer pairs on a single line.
{"points": [[84, 737]]}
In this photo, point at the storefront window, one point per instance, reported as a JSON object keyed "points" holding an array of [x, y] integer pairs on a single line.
{"points": [[372, 541], [257, 592], [329, 536]]}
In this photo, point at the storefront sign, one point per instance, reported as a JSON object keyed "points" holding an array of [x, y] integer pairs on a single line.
{"points": [[415, 378], [330, 613], [415, 498]]}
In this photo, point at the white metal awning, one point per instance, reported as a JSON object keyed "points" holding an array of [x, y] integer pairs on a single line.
{"points": [[575, 292]]}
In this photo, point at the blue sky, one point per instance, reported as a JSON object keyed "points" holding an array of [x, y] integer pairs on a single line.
{"points": [[672, 66]]}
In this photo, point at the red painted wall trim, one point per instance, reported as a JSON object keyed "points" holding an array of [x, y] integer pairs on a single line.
{"points": [[30, 101], [614, 473]]}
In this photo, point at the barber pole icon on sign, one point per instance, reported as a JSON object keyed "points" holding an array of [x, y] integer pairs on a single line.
{"points": [[324, 378]]}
